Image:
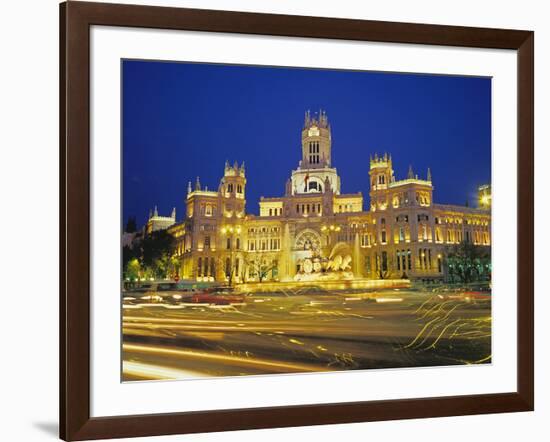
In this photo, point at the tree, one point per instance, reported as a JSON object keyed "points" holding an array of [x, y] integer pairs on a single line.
{"points": [[131, 225], [467, 262], [155, 254], [259, 265], [155, 246], [128, 253], [133, 269]]}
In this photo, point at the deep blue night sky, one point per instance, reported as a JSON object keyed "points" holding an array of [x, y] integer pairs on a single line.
{"points": [[181, 120]]}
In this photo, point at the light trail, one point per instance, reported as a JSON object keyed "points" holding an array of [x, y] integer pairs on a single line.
{"points": [[383, 300], [434, 343], [260, 363], [156, 372], [317, 331]]}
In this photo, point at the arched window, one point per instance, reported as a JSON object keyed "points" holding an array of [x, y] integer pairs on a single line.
{"points": [[314, 185], [227, 267]]}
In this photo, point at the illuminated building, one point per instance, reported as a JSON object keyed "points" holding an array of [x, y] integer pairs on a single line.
{"points": [[315, 232], [156, 222]]}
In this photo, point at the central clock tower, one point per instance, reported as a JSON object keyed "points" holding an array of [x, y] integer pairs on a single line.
{"points": [[316, 141]]}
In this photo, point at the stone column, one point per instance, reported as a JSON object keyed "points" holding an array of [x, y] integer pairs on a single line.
{"points": [[285, 254], [357, 272]]}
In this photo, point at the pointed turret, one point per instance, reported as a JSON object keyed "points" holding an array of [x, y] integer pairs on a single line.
{"points": [[288, 187], [410, 174], [429, 177], [156, 212], [189, 188], [307, 119], [173, 216], [198, 184]]}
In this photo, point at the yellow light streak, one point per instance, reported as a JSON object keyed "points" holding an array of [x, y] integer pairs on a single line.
{"points": [[157, 372], [220, 358], [383, 300]]}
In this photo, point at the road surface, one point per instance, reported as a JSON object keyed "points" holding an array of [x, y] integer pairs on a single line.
{"points": [[303, 331]]}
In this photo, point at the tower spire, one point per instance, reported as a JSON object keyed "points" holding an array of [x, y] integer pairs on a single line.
{"points": [[410, 174], [429, 177], [198, 184], [189, 188], [173, 216]]}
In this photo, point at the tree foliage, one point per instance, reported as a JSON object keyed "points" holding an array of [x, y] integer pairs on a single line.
{"points": [[467, 262], [156, 246], [259, 266], [133, 269], [131, 225], [152, 257]]}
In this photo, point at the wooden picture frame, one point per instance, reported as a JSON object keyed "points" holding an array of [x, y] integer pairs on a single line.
{"points": [[75, 21]]}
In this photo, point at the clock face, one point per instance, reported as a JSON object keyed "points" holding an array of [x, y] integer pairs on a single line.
{"points": [[313, 132]]}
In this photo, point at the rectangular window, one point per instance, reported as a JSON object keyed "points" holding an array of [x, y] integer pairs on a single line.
{"points": [[367, 264], [398, 260], [228, 243], [207, 241], [227, 267]]}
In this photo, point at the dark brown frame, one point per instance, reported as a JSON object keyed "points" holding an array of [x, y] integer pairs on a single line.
{"points": [[75, 21]]}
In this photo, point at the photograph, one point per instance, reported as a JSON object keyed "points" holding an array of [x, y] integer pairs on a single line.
{"points": [[282, 220]]}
